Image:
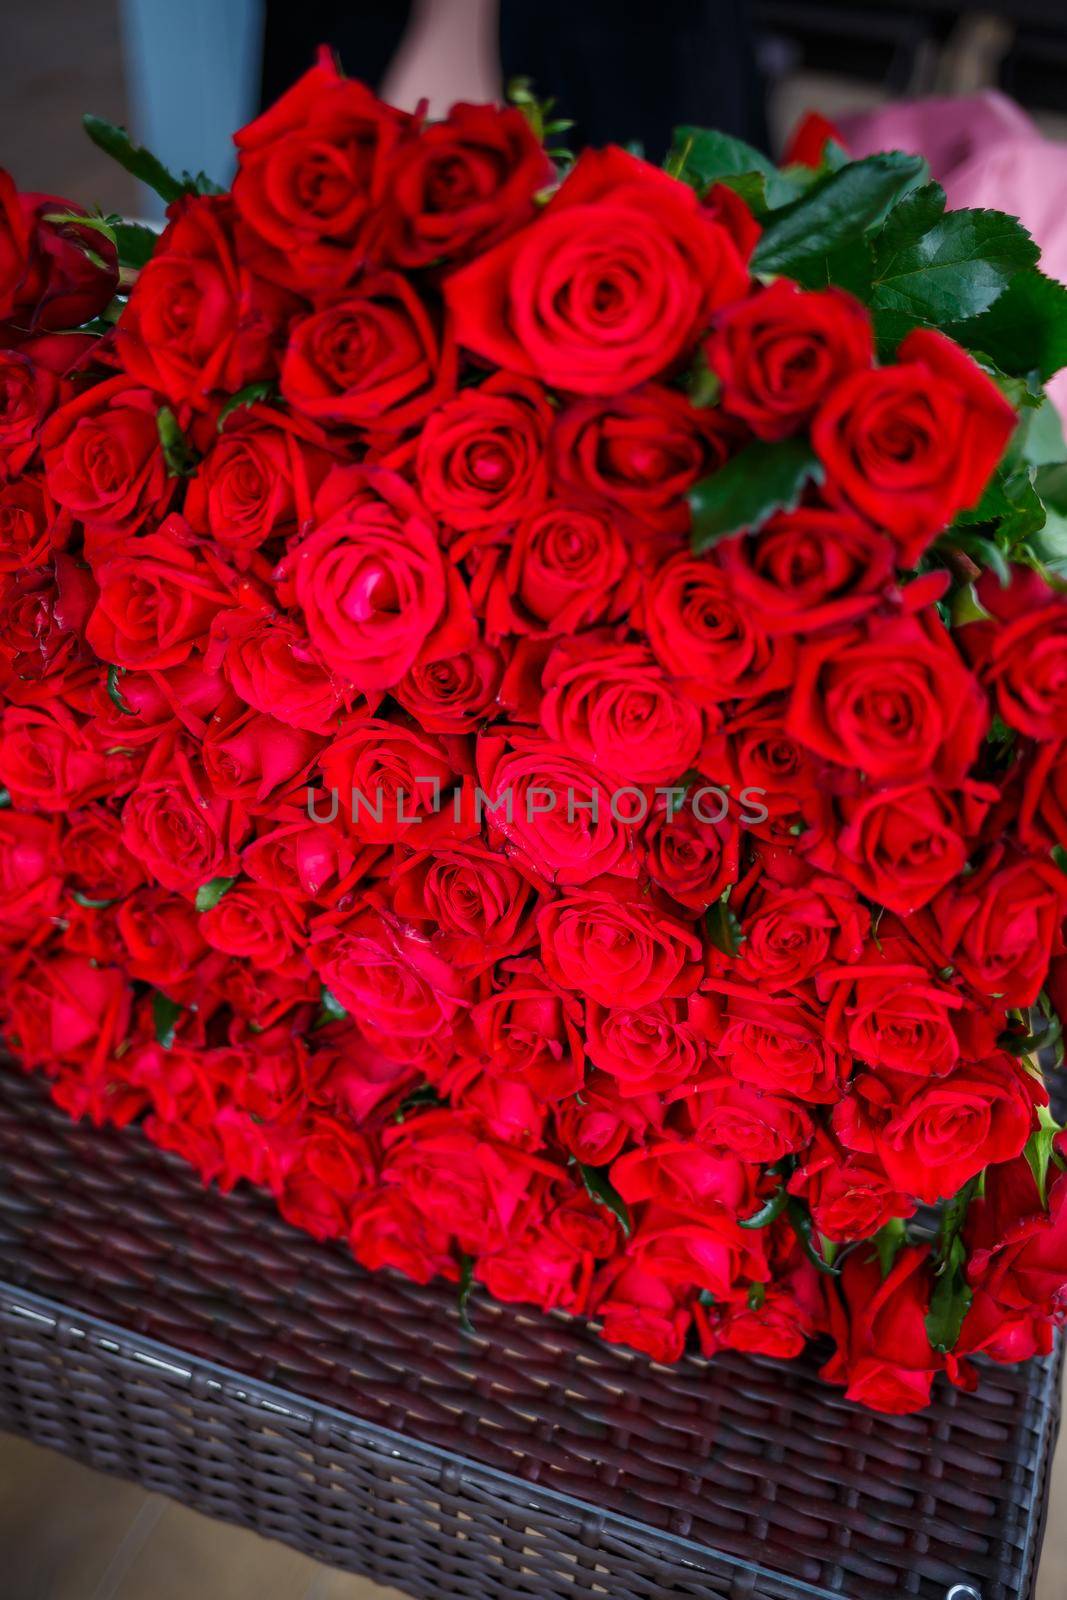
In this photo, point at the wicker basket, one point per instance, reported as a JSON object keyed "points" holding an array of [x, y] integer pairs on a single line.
{"points": [[204, 1348]]}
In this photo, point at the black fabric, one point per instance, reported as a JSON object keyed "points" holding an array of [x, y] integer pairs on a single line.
{"points": [[622, 72]]}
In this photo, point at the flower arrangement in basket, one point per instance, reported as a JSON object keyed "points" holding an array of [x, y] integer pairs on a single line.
{"points": [[533, 712]]}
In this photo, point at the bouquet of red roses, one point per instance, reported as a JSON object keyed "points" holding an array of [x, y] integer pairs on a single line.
{"points": [[534, 700]]}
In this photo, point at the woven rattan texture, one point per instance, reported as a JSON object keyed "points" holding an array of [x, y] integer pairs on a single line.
{"points": [[200, 1345]]}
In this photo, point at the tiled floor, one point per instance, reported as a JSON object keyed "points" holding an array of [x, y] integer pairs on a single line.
{"points": [[70, 1534]]}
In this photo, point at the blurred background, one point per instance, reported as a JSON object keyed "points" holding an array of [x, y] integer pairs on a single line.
{"points": [[980, 89], [183, 76]]}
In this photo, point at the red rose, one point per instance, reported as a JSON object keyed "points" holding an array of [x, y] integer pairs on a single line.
{"points": [[273, 667], [103, 459], [530, 1031], [250, 757], [677, 1174], [386, 975], [693, 853], [778, 1043], [388, 1231], [550, 810], [612, 942], [480, 456], [1042, 819], [96, 859], [454, 691], [385, 779], [706, 632], [31, 525], [885, 1356], [370, 577], [319, 1172], [900, 846], [566, 569], [28, 392], [1017, 1247], [305, 860], [650, 1049], [369, 358], [478, 907], [163, 941], [932, 1135], [541, 1269], [55, 272], [728, 208], [607, 288], [1021, 653], [910, 445], [255, 924], [808, 569], [636, 1308], [780, 351], [640, 452], [616, 709], [199, 320], [848, 1195], [30, 885], [1001, 925], [448, 1171], [312, 167], [464, 183], [49, 762], [711, 1252], [175, 824], [795, 931], [890, 1011], [890, 699], [753, 752], [258, 481], [723, 1114], [157, 600], [66, 1007], [14, 245], [777, 1324]]}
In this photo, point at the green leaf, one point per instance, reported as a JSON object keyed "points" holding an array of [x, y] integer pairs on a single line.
{"points": [[836, 211], [599, 1188], [710, 155], [1025, 330], [116, 142], [1038, 1151], [248, 396], [1038, 440], [1049, 543], [115, 692], [84, 900], [933, 268], [209, 894], [804, 1230], [165, 1014], [760, 480], [722, 927], [5, 799], [950, 1301], [135, 243], [331, 1010], [769, 1212], [757, 1294], [466, 1288], [888, 1241], [179, 455], [423, 1098]]}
